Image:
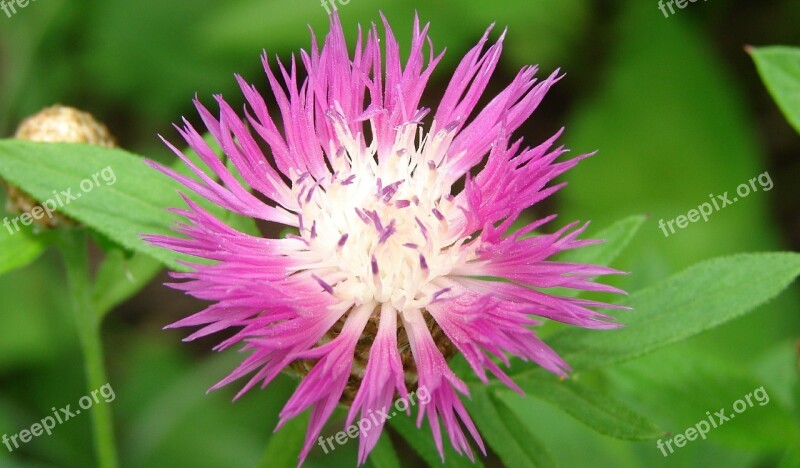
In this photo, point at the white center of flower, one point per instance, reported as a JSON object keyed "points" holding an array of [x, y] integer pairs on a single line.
{"points": [[382, 231]]}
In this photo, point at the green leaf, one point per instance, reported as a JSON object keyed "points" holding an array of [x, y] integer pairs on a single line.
{"points": [[616, 237], [133, 205], [132, 200], [698, 382], [284, 445], [384, 455], [511, 441], [20, 248], [592, 407], [700, 298], [120, 277], [779, 67]]}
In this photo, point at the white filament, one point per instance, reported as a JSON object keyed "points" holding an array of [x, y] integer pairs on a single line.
{"points": [[383, 232]]}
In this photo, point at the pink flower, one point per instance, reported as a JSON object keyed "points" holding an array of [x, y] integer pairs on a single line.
{"points": [[393, 271]]}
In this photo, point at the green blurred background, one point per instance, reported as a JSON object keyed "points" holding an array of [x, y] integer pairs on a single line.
{"points": [[674, 106]]}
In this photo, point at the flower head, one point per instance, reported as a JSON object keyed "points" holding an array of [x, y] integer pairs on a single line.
{"points": [[392, 270]]}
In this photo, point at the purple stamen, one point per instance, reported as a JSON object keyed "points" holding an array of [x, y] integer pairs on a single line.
{"points": [[423, 263], [388, 192], [327, 287], [417, 119], [373, 215], [439, 293], [300, 195], [361, 215], [374, 264], [342, 240], [402, 203], [422, 228], [335, 116], [310, 193], [438, 214], [452, 126], [387, 233]]}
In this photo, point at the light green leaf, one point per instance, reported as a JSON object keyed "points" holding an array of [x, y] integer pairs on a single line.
{"points": [[284, 445], [700, 298], [616, 237], [511, 441], [591, 406], [421, 440], [779, 67]]}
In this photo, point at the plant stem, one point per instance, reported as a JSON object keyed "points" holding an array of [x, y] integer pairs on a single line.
{"points": [[76, 260]]}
